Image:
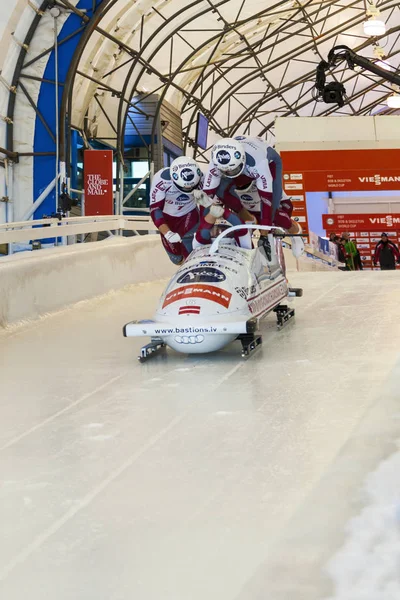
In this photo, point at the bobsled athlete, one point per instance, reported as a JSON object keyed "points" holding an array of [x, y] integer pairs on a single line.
{"points": [[173, 207], [251, 200], [211, 212], [237, 163]]}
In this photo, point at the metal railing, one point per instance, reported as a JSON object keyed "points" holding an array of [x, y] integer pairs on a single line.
{"points": [[68, 227], [24, 231]]}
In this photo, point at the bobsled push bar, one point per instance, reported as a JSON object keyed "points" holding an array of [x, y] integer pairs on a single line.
{"points": [[215, 245]]}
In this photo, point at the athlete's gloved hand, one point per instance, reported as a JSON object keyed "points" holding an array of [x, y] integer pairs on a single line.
{"points": [[202, 199], [297, 247], [217, 211], [172, 237]]}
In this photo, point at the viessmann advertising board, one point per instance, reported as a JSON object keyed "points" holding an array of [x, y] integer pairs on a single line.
{"points": [[341, 170], [369, 222]]}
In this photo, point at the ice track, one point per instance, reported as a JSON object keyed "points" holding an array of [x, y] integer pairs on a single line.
{"points": [[192, 478]]}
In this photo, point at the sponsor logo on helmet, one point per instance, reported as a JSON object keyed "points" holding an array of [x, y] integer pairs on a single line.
{"points": [[187, 174], [223, 157], [202, 275], [237, 155], [174, 168], [188, 165], [175, 176]]}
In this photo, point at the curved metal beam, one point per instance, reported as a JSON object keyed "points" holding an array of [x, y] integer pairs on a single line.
{"points": [[17, 73]]}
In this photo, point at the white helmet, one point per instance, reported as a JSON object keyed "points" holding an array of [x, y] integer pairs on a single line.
{"points": [[185, 173], [229, 157]]}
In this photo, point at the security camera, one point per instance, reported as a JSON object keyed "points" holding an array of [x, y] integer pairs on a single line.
{"points": [[333, 93]]}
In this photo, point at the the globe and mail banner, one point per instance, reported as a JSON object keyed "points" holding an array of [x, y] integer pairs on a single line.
{"points": [[98, 182]]}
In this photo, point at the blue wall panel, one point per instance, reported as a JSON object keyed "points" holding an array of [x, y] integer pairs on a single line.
{"points": [[44, 167]]}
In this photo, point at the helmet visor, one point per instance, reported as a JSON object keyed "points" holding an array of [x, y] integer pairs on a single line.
{"points": [[186, 187], [232, 172]]}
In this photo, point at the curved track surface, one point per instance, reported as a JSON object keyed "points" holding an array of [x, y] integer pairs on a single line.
{"points": [[192, 477]]}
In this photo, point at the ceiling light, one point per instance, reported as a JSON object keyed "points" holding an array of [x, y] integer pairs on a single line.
{"points": [[393, 101], [374, 27]]}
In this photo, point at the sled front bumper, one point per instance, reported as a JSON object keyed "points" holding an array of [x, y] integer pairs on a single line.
{"points": [[163, 330]]}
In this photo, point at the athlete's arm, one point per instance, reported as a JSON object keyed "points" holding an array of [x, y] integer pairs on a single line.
{"points": [[157, 201]]}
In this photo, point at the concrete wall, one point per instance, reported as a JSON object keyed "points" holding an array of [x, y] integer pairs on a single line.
{"points": [[35, 283]]}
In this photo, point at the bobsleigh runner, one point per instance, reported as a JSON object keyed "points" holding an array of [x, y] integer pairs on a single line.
{"points": [[219, 294]]}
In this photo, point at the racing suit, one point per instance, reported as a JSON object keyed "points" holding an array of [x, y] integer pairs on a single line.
{"points": [[264, 167], [178, 210], [251, 201]]}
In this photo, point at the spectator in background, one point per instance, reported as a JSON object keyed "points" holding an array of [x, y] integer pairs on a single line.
{"points": [[351, 251], [358, 261], [387, 254], [332, 237], [342, 255]]}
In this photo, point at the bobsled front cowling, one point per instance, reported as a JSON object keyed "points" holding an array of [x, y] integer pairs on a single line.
{"points": [[206, 290], [218, 295]]}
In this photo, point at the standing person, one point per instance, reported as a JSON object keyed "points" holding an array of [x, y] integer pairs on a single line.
{"points": [[351, 251], [173, 207], [386, 253], [342, 254], [357, 261]]}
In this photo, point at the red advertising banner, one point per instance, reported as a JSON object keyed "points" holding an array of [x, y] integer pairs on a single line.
{"points": [[98, 182], [209, 292], [365, 223], [341, 170]]}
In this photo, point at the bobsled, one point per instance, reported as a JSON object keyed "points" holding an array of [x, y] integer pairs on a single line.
{"points": [[219, 294]]}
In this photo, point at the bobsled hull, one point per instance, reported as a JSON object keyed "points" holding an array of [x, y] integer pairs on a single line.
{"points": [[212, 299]]}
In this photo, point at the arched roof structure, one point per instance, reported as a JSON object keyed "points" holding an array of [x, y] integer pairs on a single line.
{"points": [[240, 62]]}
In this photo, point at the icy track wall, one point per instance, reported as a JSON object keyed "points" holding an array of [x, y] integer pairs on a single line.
{"points": [[33, 284]]}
